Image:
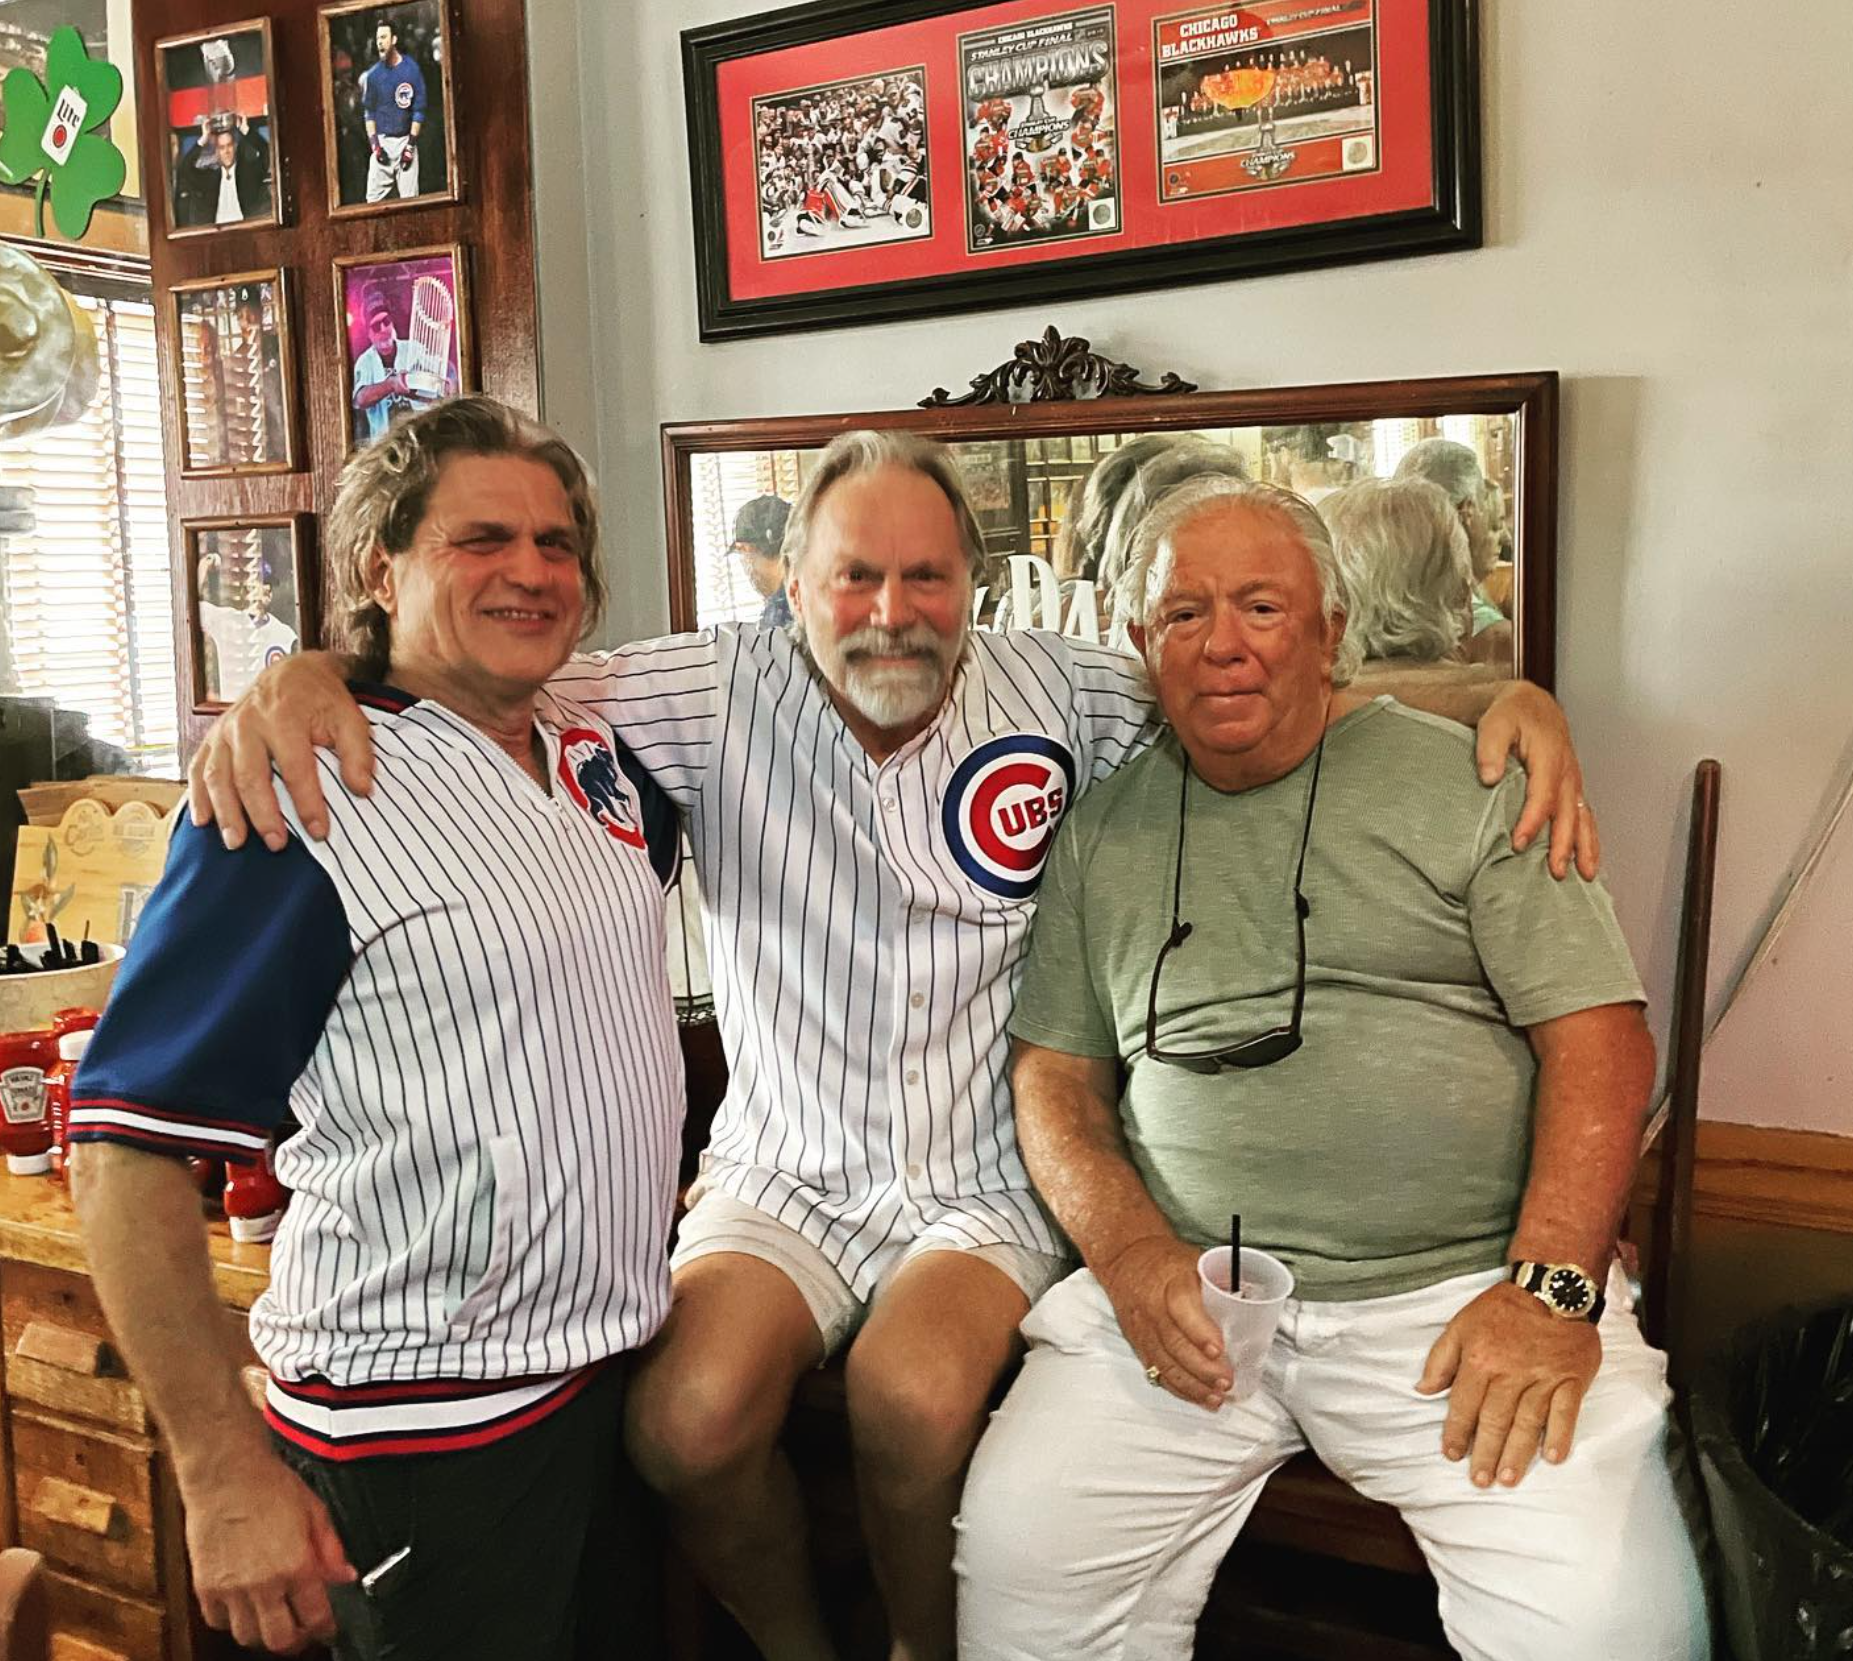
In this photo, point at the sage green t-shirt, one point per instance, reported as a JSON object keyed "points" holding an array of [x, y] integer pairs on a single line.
{"points": [[1390, 1151]]}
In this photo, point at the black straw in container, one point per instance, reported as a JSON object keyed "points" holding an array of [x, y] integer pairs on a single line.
{"points": [[1235, 1251]]}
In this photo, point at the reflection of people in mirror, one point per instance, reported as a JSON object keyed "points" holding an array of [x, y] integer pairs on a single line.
{"points": [[393, 373], [245, 639], [1403, 553], [1456, 469], [392, 103], [1315, 459], [758, 535], [226, 180]]}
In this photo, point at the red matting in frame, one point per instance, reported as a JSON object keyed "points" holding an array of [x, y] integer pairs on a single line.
{"points": [[1400, 174]]}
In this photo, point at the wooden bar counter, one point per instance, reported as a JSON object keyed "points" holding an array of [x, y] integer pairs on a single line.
{"points": [[84, 1479]]}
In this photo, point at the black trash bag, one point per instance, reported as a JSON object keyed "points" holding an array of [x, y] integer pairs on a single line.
{"points": [[1772, 1422]]}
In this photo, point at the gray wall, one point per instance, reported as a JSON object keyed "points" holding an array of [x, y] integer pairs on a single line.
{"points": [[1669, 225]]}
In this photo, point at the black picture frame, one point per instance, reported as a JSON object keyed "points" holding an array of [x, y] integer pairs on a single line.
{"points": [[1451, 221]]}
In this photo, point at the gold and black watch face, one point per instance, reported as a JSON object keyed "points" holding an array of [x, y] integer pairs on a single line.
{"points": [[1568, 1291]]}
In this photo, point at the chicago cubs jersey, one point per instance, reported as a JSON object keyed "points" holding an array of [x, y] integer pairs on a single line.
{"points": [[459, 997], [245, 646], [866, 920], [392, 97]]}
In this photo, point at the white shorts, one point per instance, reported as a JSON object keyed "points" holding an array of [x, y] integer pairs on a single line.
{"points": [[1099, 1508], [717, 1222]]}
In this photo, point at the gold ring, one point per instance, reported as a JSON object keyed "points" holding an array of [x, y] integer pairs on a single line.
{"points": [[1152, 1376]]}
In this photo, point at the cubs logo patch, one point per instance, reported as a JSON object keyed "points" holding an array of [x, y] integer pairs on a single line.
{"points": [[402, 95], [275, 654], [589, 771], [1002, 807]]}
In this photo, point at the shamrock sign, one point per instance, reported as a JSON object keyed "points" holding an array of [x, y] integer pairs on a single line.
{"points": [[50, 132]]}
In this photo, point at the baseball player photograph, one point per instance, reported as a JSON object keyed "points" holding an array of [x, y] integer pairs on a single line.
{"points": [[245, 597], [405, 336], [870, 794], [386, 104]]}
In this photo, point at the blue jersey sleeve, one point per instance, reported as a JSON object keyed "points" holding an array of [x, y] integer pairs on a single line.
{"points": [[662, 824], [219, 1005], [417, 78]]}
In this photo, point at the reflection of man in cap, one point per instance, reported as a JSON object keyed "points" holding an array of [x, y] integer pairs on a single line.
{"points": [[758, 536], [382, 373]]}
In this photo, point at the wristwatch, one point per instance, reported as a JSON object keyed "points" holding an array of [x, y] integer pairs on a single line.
{"points": [[1564, 1289]]}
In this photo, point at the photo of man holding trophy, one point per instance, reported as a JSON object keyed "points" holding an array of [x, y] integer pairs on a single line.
{"points": [[405, 336]]}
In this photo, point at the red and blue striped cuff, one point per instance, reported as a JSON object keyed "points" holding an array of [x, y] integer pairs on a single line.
{"points": [[161, 1130]]}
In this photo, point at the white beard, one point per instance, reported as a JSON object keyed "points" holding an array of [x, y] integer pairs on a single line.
{"points": [[891, 695]]}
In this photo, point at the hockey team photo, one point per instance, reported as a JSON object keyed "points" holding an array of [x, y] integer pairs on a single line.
{"points": [[843, 166]]}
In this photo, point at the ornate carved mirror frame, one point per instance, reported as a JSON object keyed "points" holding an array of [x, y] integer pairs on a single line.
{"points": [[1059, 377]]}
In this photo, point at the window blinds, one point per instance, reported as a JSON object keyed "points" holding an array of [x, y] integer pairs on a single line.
{"points": [[88, 602]]}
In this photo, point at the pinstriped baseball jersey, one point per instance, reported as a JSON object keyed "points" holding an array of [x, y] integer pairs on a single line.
{"points": [[866, 920], [459, 997]]}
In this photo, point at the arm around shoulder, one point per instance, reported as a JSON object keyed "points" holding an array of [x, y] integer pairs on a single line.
{"points": [[293, 708]]}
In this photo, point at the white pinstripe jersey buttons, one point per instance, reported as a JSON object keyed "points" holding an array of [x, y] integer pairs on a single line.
{"points": [[866, 921]]}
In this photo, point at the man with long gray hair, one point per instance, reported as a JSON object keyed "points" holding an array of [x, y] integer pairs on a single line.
{"points": [[458, 993], [870, 797]]}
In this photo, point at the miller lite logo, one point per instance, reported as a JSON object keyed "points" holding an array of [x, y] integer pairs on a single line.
{"points": [[67, 121], [1001, 810], [590, 773]]}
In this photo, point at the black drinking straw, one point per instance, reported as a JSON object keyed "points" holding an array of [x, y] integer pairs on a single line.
{"points": [[1235, 1249]]}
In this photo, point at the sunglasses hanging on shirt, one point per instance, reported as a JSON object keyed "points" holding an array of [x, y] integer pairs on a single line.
{"points": [[1264, 1048]]}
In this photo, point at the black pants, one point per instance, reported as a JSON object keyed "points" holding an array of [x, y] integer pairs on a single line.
{"points": [[537, 1547]]}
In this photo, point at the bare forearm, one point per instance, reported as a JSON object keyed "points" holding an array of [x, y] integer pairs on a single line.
{"points": [[146, 1243], [1592, 1095], [1460, 692], [1069, 1130]]}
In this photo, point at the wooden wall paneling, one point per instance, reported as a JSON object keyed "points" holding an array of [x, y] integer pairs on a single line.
{"points": [[1761, 1174], [493, 222]]}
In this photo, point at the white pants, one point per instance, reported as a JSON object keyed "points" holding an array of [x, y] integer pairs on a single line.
{"points": [[383, 178], [1099, 1508]]}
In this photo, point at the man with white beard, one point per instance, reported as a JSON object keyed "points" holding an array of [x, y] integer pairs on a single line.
{"points": [[870, 797]]}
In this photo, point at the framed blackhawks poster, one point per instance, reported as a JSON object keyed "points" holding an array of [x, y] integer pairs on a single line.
{"points": [[863, 159]]}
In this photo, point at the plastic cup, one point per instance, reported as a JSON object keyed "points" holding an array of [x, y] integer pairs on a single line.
{"points": [[1248, 1320]]}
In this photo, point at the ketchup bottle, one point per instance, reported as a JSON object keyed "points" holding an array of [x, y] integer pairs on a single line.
{"points": [[25, 1132], [71, 1030], [254, 1200]]}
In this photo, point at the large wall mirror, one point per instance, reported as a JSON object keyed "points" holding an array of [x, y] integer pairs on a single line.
{"points": [[1027, 467]]}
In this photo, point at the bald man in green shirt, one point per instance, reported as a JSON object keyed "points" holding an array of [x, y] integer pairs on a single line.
{"points": [[1288, 964]]}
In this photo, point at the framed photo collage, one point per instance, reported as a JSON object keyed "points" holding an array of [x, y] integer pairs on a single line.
{"points": [[402, 318], [854, 161]]}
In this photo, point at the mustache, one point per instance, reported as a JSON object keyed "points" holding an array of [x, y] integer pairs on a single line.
{"points": [[917, 642]]}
